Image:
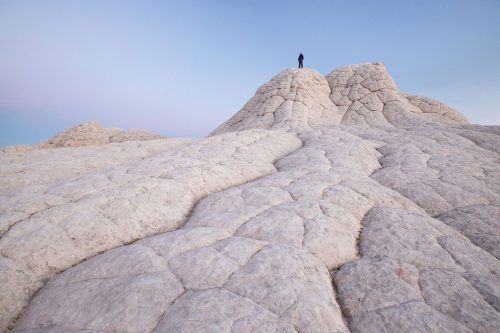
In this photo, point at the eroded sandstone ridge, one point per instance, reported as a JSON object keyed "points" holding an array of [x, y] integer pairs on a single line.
{"points": [[327, 204]]}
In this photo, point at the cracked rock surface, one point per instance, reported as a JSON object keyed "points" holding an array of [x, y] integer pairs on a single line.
{"points": [[327, 204]]}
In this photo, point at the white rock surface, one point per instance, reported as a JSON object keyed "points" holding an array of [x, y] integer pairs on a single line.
{"points": [[50, 166], [48, 228], [295, 98], [332, 204], [367, 95], [86, 134]]}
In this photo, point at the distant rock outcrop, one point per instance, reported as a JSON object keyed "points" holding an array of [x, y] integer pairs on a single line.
{"points": [[327, 204], [86, 134]]}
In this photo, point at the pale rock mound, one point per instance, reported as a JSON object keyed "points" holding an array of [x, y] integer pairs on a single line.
{"points": [[367, 95], [86, 134], [332, 204], [295, 98], [363, 94]]}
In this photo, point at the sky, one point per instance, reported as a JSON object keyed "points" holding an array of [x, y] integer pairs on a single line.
{"points": [[181, 68]]}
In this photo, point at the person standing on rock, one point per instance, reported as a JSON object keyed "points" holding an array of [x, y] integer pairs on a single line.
{"points": [[301, 60]]}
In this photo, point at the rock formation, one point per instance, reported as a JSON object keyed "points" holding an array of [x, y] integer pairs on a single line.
{"points": [[327, 204], [86, 134]]}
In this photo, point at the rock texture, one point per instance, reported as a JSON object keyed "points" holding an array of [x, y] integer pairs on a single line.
{"points": [[367, 95], [327, 204], [86, 134]]}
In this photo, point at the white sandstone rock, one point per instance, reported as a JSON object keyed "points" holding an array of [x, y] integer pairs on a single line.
{"points": [[334, 204], [295, 98], [85, 134]]}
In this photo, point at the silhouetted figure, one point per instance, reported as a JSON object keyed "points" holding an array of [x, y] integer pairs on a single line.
{"points": [[301, 60]]}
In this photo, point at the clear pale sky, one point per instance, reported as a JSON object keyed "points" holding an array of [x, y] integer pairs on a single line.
{"points": [[180, 68]]}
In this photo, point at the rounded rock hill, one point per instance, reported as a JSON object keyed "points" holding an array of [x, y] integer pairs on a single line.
{"points": [[364, 95]]}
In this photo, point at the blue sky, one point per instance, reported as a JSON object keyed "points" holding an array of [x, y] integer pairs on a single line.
{"points": [[180, 68]]}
